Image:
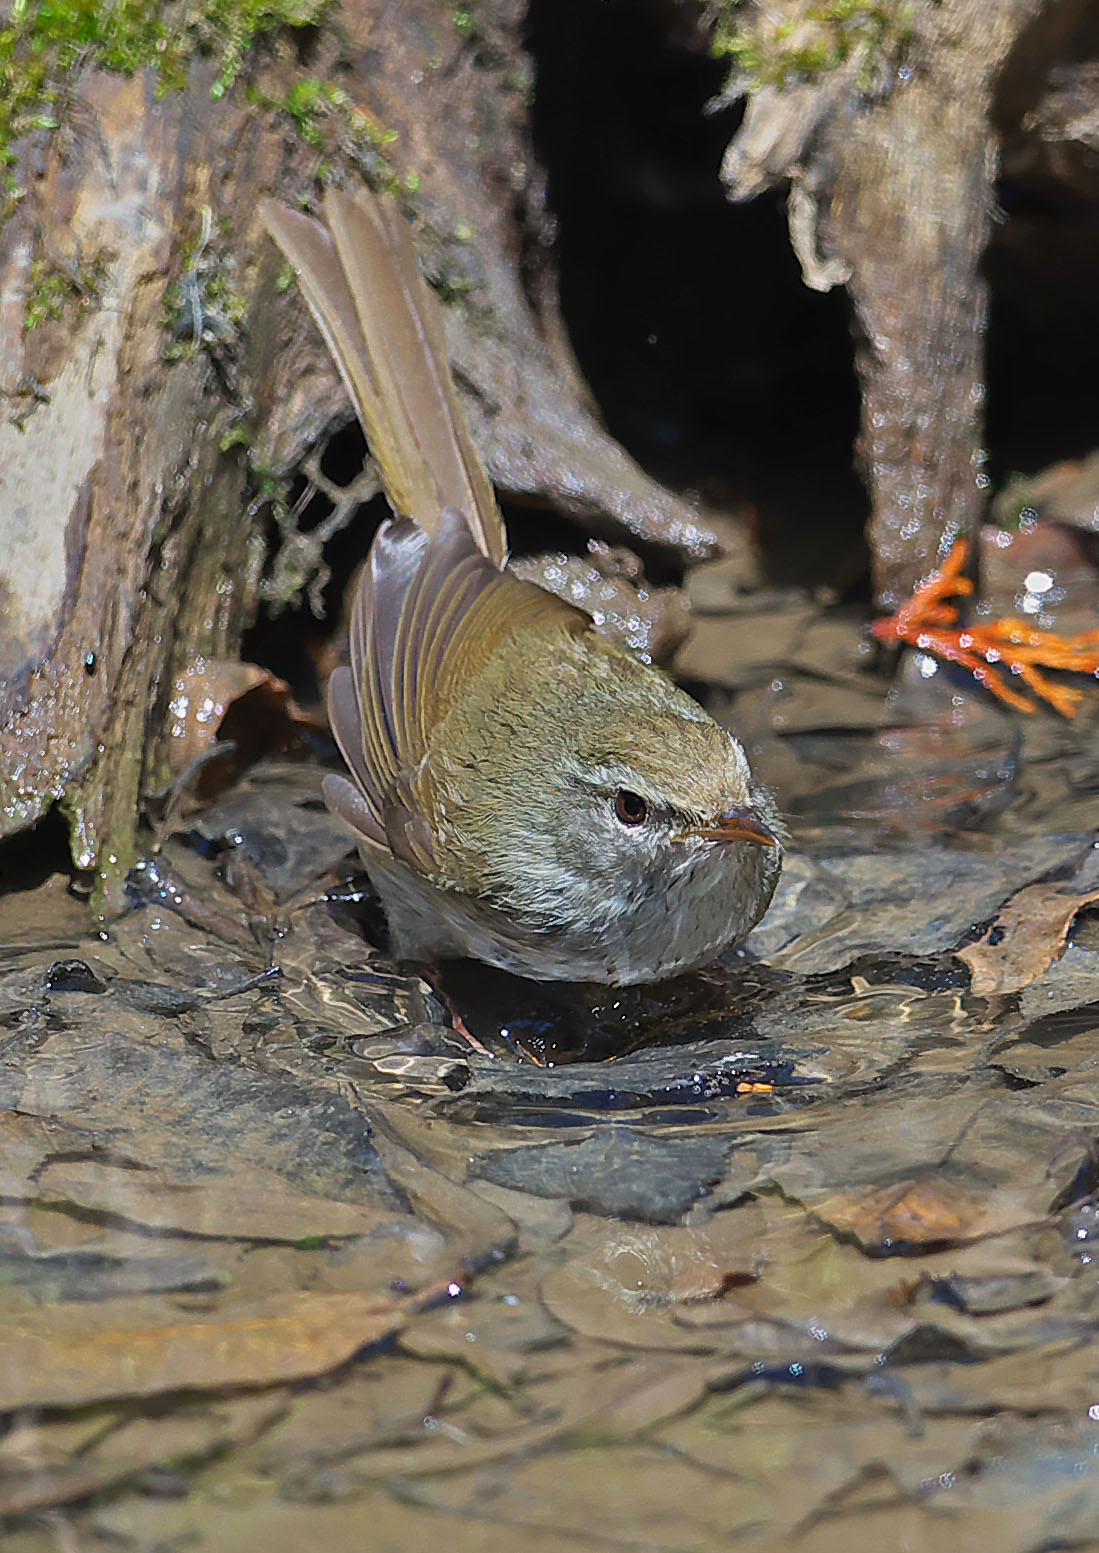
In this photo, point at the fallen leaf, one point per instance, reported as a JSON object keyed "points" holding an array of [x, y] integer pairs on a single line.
{"points": [[1030, 930], [618, 1287], [247, 708], [915, 1212], [614, 1399], [370, 1406], [201, 696]]}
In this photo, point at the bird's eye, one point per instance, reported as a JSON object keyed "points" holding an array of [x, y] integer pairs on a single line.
{"points": [[630, 808]]}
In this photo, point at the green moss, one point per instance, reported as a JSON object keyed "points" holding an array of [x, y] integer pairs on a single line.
{"points": [[55, 291], [204, 309], [42, 41], [292, 565], [1015, 508], [103, 805], [876, 33], [328, 118], [236, 437], [450, 287], [477, 27]]}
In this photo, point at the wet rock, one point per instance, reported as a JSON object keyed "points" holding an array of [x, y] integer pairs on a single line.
{"points": [[291, 844], [618, 1171], [72, 976], [609, 586], [1040, 571], [764, 1184], [917, 902]]}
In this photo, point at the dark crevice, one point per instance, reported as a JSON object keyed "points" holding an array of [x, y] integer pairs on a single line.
{"points": [[1043, 392], [292, 641], [710, 360], [30, 857]]}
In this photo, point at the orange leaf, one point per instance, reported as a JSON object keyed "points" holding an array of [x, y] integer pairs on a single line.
{"points": [[989, 648]]}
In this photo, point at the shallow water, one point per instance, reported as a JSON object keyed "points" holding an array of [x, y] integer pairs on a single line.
{"points": [[800, 1251]]}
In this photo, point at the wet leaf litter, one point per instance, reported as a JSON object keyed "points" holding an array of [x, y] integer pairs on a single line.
{"points": [[795, 1252]]}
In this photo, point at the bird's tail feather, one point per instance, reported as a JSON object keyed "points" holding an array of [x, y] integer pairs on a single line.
{"points": [[384, 327]]}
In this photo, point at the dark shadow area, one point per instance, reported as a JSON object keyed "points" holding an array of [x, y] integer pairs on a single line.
{"points": [[297, 644], [710, 360], [1043, 392], [30, 857], [293, 641]]}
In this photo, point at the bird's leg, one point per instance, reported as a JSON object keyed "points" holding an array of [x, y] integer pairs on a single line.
{"points": [[432, 976]]}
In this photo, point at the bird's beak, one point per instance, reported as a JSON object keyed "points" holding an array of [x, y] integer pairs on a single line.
{"points": [[736, 823]]}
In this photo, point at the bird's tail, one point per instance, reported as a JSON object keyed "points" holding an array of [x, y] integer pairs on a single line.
{"points": [[384, 327]]}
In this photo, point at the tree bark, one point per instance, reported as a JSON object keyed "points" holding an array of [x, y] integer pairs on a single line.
{"points": [[122, 542], [128, 543], [890, 156]]}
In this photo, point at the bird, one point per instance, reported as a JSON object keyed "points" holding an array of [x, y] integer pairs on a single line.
{"points": [[524, 791]]}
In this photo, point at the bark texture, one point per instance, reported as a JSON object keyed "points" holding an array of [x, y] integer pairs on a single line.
{"points": [[890, 157], [123, 549], [128, 546]]}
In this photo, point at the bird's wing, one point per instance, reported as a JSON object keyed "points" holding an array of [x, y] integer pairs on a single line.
{"points": [[384, 327], [431, 612]]}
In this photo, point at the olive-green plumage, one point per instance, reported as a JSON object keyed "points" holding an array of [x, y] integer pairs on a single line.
{"points": [[524, 791]]}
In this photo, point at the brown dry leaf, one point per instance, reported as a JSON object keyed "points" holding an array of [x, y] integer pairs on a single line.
{"points": [[478, 1339], [1030, 931], [249, 709], [919, 1211], [1056, 1378], [197, 1429], [610, 1498], [369, 1406], [417, 1157], [816, 1299], [62, 1358], [753, 1280], [201, 696], [249, 1515], [799, 1449]]}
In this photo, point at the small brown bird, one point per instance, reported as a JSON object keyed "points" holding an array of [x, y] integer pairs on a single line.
{"points": [[523, 790]]}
